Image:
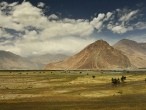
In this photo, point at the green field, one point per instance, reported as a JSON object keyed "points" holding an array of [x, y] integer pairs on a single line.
{"points": [[71, 90]]}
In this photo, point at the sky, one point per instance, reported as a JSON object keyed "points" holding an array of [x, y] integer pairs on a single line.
{"points": [[37, 27]]}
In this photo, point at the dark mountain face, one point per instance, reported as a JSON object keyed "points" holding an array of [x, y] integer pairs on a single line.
{"points": [[98, 55]]}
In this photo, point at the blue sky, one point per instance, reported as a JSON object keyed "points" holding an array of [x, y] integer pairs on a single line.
{"points": [[85, 9], [34, 27]]}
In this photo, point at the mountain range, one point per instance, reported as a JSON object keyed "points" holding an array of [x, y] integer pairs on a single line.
{"points": [[136, 52], [11, 61], [98, 55], [47, 58]]}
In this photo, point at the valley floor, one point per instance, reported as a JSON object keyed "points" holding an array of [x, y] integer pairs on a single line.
{"points": [[71, 90]]}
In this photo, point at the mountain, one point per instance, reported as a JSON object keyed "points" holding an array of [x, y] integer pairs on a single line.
{"points": [[98, 55], [143, 45], [136, 52], [47, 58], [10, 61]]}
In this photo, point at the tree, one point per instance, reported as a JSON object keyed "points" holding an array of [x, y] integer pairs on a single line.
{"points": [[123, 78], [93, 77], [115, 81]]}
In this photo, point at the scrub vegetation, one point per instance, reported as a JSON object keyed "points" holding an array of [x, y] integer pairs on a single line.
{"points": [[72, 90]]}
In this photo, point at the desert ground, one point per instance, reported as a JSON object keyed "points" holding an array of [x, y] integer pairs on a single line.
{"points": [[71, 90]]}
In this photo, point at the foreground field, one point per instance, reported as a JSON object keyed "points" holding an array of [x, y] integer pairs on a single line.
{"points": [[71, 90]]}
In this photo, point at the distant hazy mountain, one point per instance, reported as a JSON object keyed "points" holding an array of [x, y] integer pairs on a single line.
{"points": [[10, 61], [143, 45], [136, 52], [98, 55], [48, 58]]}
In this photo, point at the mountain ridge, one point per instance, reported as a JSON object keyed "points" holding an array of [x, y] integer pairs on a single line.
{"points": [[98, 55], [11, 61], [134, 51]]}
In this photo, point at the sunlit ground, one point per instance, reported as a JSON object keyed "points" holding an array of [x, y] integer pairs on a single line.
{"points": [[71, 90]]}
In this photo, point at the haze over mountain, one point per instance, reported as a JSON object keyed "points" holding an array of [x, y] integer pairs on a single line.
{"points": [[47, 58], [98, 55], [10, 61], [136, 52], [143, 45]]}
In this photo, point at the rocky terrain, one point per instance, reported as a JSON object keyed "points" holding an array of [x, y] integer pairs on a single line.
{"points": [[136, 52], [98, 55]]}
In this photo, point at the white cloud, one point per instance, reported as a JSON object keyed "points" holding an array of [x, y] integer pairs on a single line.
{"points": [[138, 38], [66, 45], [97, 22], [13, 4], [41, 4], [108, 16], [28, 15], [21, 16], [40, 34], [121, 23], [120, 29], [3, 5], [140, 25], [53, 17], [129, 16]]}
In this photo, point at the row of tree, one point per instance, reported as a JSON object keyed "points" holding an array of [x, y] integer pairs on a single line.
{"points": [[116, 81]]}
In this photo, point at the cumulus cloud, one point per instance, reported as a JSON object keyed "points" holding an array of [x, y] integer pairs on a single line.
{"points": [[98, 22], [123, 21], [119, 28], [139, 38], [60, 45], [108, 16], [40, 34], [41, 4], [25, 30], [140, 25], [129, 16], [53, 17]]}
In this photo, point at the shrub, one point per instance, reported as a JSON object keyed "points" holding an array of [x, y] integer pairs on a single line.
{"points": [[123, 78], [93, 76], [115, 81]]}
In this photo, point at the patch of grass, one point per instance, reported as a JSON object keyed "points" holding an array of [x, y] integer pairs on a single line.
{"points": [[71, 90]]}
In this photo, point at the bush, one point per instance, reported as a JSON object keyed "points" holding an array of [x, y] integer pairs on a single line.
{"points": [[93, 76], [115, 81], [123, 78]]}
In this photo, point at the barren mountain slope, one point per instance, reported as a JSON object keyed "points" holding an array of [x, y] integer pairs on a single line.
{"points": [[10, 61], [136, 52], [98, 55]]}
